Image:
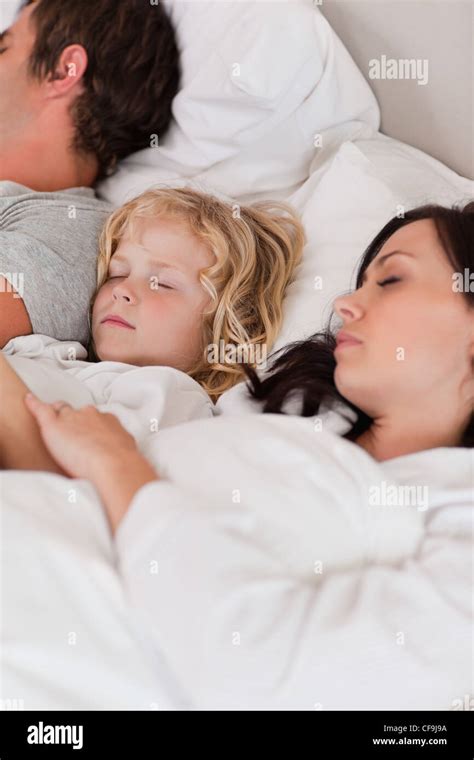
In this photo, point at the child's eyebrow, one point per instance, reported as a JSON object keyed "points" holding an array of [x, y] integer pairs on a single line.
{"points": [[163, 264]]}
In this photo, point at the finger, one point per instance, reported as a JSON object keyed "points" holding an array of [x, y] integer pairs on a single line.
{"points": [[43, 413], [58, 405]]}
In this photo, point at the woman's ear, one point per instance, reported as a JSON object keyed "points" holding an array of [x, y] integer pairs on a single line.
{"points": [[69, 71]]}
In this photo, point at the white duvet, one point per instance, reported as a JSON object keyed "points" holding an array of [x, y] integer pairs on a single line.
{"points": [[296, 572], [66, 637], [145, 399], [274, 566]]}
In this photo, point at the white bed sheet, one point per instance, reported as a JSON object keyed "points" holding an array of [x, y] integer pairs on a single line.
{"points": [[230, 542]]}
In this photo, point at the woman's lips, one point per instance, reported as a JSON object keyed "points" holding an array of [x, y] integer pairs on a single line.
{"points": [[347, 343], [344, 340]]}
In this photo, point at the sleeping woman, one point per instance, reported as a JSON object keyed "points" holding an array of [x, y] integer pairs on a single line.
{"points": [[179, 271], [402, 361]]}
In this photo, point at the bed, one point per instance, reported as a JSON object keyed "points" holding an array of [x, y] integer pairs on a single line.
{"points": [[305, 127]]}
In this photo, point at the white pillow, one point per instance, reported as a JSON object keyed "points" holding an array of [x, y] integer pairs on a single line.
{"points": [[260, 79], [343, 205], [8, 10]]}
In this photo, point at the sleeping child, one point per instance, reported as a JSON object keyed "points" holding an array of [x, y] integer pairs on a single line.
{"points": [[182, 277]]}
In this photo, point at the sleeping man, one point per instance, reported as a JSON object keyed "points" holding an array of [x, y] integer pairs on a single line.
{"points": [[75, 86]]}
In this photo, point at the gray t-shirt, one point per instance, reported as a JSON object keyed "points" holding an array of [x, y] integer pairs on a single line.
{"points": [[48, 254]]}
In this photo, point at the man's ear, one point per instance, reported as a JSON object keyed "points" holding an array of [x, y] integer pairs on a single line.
{"points": [[68, 72]]}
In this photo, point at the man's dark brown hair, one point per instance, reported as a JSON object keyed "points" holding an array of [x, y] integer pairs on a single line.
{"points": [[132, 75]]}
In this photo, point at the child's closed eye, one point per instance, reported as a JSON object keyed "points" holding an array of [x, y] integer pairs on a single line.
{"points": [[155, 284]]}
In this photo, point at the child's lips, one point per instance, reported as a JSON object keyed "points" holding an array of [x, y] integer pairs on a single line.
{"points": [[114, 320]]}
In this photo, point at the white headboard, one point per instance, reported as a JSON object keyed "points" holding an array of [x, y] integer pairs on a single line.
{"points": [[436, 117]]}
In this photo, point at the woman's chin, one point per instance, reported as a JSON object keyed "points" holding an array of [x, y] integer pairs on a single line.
{"points": [[349, 385]]}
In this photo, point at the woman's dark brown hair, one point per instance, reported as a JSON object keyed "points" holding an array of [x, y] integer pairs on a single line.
{"points": [[132, 75], [306, 369]]}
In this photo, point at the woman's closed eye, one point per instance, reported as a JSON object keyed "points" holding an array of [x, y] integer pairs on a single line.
{"points": [[388, 281]]}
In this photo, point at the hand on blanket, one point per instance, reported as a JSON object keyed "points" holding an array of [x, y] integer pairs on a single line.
{"points": [[92, 445], [83, 440]]}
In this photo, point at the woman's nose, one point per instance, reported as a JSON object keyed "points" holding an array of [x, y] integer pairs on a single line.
{"points": [[348, 307]]}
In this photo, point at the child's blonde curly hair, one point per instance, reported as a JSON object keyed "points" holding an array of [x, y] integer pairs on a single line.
{"points": [[256, 249]]}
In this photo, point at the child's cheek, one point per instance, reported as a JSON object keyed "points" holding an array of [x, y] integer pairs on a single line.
{"points": [[155, 307], [99, 299]]}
